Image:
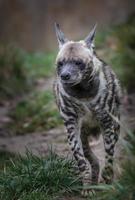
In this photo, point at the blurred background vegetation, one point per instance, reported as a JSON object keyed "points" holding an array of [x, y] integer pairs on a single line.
{"points": [[28, 49]]}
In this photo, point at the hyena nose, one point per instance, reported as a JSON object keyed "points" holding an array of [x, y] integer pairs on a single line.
{"points": [[65, 76]]}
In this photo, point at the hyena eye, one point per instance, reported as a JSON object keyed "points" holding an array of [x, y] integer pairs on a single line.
{"points": [[60, 64], [80, 64]]}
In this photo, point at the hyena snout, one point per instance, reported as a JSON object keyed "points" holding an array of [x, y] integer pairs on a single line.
{"points": [[65, 76], [69, 74]]}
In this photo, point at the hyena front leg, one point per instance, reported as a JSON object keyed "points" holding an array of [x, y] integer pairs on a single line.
{"points": [[110, 137], [94, 163], [88, 153], [75, 143]]}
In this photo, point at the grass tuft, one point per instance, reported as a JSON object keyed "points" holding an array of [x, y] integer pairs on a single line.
{"points": [[32, 176], [5, 158]]}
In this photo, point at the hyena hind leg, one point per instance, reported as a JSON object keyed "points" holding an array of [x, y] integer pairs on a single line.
{"points": [[110, 140]]}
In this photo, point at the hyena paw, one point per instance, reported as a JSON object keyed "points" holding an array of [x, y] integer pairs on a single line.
{"points": [[88, 193], [107, 175]]}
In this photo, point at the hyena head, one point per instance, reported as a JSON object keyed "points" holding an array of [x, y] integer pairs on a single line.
{"points": [[75, 60]]}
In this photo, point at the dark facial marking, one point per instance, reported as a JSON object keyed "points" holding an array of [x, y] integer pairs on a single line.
{"points": [[80, 64], [59, 66]]}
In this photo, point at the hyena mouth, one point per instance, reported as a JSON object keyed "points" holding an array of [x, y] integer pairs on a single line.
{"points": [[74, 80], [69, 83]]}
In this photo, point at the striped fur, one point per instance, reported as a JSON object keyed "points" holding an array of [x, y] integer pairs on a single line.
{"points": [[86, 106]]}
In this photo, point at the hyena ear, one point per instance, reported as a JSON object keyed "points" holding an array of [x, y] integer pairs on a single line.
{"points": [[90, 38], [60, 35]]}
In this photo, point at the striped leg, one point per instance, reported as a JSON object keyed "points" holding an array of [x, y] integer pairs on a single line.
{"points": [[110, 137], [76, 147], [93, 160], [71, 122], [93, 179], [111, 131]]}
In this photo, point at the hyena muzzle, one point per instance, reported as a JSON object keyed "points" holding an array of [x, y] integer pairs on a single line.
{"points": [[88, 97]]}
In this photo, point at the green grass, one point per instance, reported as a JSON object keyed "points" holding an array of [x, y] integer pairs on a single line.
{"points": [[40, 65], [117, 44], [39, 178], [126, 35], [52, 177], [19, 70], [19, 74], [36, 113], [12, 72], [5, 159]]}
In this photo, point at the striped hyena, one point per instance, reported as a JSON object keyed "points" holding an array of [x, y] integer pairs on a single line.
{"points": [[88, 95]]}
